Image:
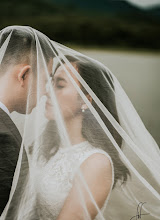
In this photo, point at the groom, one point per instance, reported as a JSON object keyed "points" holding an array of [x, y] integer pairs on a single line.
{"points": [[18, 77]]}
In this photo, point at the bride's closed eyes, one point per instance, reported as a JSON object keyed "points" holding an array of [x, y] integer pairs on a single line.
{"points": [[59, 82]]}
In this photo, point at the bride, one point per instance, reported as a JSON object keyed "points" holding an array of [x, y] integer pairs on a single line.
{"points": [[89, 154], [91, 150]]}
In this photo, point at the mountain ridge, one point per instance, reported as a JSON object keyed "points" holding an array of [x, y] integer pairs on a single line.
{"points": [[50, 7], [103, 23]]}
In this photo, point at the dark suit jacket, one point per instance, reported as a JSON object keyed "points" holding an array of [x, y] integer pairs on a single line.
{"points": [[10, 143]]}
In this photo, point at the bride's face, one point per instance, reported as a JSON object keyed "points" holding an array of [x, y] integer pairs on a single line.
{"points": [[68, 99]]}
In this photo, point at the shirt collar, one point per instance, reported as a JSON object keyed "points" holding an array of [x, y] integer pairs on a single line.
{"points": [[4, 108]]}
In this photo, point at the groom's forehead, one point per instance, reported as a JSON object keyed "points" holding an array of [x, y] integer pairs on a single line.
{"points": [[50, 67], [45, 71], [50, 64]]}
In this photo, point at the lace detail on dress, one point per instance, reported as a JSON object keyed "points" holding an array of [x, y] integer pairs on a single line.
{"points": [[54, 180]]}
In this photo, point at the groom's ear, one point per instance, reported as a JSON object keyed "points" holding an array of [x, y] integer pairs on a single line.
{"points": [[23, 74]]}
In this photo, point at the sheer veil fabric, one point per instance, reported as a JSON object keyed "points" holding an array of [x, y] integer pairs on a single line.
{"points": [[89, 156]]}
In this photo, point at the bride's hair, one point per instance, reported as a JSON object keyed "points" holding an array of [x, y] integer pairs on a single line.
{"points": [[94, 75]]}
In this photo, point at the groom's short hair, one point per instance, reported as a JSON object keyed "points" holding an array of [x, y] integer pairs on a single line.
{"points": [[24, 45]]}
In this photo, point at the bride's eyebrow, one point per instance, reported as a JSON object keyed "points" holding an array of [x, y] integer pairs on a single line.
{"points": [[58, 79]]}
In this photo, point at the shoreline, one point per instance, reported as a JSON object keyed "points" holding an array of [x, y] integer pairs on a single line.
{"points": [[113, 49]]}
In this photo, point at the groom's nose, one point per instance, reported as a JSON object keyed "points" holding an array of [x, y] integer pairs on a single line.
{"points": [[46, 94], [42, 89], [48, 84]]}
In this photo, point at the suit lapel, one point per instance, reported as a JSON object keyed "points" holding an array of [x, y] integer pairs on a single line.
{"points": [[7, 121]]}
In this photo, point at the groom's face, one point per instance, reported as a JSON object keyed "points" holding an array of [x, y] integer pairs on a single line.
{"points": [[36, 86]]}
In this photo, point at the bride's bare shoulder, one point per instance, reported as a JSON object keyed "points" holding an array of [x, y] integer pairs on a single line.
{"points": [[97, 162], [97, 169]]}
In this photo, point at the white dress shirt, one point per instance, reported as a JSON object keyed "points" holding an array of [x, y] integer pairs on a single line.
{"points": [[4, 108]]}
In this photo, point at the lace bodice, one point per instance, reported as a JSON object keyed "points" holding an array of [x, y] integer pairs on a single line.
{"points": [[54, 180]]}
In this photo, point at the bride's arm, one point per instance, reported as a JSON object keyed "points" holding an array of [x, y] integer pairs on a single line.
{"points": [[97, 173]]}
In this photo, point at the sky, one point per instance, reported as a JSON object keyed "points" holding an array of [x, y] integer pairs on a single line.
{"points": [[145, 3]]}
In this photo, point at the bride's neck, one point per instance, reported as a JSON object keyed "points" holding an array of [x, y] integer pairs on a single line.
{"points": [[74, 130]]}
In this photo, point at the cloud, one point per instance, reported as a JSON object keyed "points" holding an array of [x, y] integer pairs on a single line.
{"points": [[145, 3]]}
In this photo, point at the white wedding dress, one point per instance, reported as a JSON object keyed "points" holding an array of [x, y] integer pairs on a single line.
{"points": [[54, 180]]}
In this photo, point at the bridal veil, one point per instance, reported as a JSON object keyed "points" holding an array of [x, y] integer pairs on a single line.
{"points": [[72, 98]]}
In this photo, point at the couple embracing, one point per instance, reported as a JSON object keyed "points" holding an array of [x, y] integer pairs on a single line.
{"points": [[69, 147]]}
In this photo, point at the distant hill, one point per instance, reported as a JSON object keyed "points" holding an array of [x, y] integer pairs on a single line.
{"points": [[98, 5], [106, 23], [155, 12], [50, 7], [17, 8], [107, 6]]}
